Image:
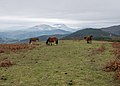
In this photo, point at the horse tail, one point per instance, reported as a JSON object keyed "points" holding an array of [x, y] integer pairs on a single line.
{"points": [[30, 41], [47, 41]]}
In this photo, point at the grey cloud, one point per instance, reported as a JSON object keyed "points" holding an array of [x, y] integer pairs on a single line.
{"points": [[103, 12]]}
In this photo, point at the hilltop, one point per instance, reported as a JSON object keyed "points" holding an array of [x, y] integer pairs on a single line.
{"points": [[112, 29], [97, 34]]}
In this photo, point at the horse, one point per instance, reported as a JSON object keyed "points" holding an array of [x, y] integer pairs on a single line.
{"points": [[33, 40], [88, 39], [52, 40]]}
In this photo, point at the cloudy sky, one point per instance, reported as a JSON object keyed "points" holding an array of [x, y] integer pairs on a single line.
{"points": [[74, 13]]}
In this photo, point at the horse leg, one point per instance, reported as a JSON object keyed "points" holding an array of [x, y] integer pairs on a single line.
{"points": [[87, 41], [30, 42], [56, 41], [51, 43]]}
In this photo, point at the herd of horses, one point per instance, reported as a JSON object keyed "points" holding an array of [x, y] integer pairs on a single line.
{"points": [[54, 40]]}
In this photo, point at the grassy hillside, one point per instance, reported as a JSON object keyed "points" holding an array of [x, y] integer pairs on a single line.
{"points": [[112, 29], [98, 34], [71, 63]]}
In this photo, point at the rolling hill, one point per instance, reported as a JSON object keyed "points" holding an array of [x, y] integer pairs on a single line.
{"points": [[112, 29], [97, 34]]}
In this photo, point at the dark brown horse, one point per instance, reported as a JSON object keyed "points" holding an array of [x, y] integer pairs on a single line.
{"points": [[88, 39], [52, 40], [33, 40]]}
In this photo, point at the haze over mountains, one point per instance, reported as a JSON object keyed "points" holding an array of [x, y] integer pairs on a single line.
{"points": [[35, 31], [60, 30]]}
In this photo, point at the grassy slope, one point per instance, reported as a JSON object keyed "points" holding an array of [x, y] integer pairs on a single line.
{"points": [[69, 63]]}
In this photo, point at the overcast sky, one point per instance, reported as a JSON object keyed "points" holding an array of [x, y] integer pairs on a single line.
{"points": [[74, 13]]}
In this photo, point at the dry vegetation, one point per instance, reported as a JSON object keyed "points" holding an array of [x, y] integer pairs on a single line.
{"points": [[6, 63], [15, 48], [70, 63], [6, 48], [94, 51], [114, 65]]}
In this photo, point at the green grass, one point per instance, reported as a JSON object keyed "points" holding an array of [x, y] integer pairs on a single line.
{"points": [[67, 64]]}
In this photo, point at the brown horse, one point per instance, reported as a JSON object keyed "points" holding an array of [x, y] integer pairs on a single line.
{"points": [[52, 40], [33, 40], [88, 39]]}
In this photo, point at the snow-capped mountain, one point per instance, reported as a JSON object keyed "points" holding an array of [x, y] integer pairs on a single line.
{"points": [[63, 27], [42, 27], [34, 31]]}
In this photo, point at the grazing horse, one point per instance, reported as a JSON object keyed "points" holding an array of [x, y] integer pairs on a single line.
{"points": [[88, 39], [33, 40], [51, 40]]}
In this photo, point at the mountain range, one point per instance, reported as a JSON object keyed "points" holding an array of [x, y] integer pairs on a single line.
{"points": [[96, 33], [107, 33], [34, 31], [112, 29], [62, 31]]}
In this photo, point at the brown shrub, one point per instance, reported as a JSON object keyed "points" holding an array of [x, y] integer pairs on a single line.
{"points": [[94, 51], [4, 48], [6, 63], [2, 51], [116, 45], [117, 73], [113, 65]]}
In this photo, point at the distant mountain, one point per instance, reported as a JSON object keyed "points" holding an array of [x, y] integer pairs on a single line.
{"points": [[42, 27], [7, 40], [97, 34], [63, 27], [45, 37], [35, 31], [21, 32], [39, 33], [112, 29]]}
